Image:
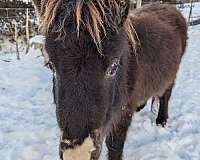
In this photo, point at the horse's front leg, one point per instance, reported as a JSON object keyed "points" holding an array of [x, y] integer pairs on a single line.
{"points": [[116, 139]]}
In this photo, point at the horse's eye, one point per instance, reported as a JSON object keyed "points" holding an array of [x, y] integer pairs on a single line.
{"points": [[112, 70]]}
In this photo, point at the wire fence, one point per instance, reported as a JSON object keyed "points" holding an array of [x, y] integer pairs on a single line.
{"points": [[12, 11], [17, 23], [9, 15]]}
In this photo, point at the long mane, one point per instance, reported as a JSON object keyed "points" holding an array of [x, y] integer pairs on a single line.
{"points": [[96, 16]]}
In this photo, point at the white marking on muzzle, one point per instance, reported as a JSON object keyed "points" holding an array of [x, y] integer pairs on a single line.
{"points": [[82, 152]]}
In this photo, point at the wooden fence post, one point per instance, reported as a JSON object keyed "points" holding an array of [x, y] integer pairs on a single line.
{"points": [[190, 13], [16, 40], [27, 30], [139, 4]]}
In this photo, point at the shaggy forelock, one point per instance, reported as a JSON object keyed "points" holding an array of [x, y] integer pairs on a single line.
{"points": [[98, 17]]}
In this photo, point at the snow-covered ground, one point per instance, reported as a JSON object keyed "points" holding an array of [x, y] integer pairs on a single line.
{"points": [[28, 128], [195, 11]]}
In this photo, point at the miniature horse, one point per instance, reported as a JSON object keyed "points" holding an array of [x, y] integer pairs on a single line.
{"points": [[108, 62]]}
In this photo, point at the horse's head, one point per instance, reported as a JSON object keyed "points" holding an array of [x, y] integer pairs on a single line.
{"points": [[87, 46]]}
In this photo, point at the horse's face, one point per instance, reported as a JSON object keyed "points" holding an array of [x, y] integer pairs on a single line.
{"points": [[87, 83], [89, 87]]}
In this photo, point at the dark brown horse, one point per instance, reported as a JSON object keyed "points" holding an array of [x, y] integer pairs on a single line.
{"points": [[107, 64]]}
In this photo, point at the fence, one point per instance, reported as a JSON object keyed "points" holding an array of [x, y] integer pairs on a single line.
{"points": [[16, 4], [9, 15], [16, 10], [17, 18]]}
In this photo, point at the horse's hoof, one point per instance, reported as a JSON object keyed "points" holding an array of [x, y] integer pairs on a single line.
{"points": [[161, 122]]}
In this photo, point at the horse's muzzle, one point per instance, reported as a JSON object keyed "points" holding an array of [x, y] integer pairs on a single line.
{"points": [[90, 149]]}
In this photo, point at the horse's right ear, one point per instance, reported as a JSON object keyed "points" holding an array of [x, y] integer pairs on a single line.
{"points": [[37, 5], [124, 6]]}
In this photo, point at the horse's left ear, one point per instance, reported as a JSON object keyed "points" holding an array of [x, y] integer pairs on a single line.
{"points": [[124, 6]]}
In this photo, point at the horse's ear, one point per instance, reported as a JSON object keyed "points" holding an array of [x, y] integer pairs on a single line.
{"points": [[37, 5], [124, 6]]}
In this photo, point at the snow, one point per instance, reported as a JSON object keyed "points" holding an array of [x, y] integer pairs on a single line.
{"points": [[195, 11], [38, 39], [28, 128], [7, 45]]}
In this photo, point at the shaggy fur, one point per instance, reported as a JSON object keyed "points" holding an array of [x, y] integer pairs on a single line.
{"points": [[97, 94], [95, 15], [37, 5]]}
